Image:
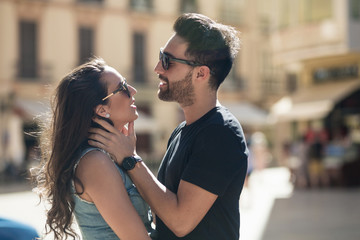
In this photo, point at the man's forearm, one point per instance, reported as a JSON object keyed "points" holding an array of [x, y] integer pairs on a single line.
{"points": [[181, 212], [155, 193], [162, 201]]}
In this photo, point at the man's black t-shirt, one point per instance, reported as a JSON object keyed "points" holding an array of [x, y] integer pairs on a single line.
{"points": [[212, 154]]}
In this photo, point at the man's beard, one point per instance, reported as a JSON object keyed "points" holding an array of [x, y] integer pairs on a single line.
{"points": [[181, 91]]}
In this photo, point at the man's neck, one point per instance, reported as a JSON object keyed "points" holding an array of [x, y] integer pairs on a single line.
{"points": [[198, 109]]}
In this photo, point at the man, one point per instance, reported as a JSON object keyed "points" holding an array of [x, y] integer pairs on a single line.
{"points": [[196, 195]]}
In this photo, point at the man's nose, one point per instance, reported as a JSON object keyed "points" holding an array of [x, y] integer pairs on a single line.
{"points": [[158, 68]]}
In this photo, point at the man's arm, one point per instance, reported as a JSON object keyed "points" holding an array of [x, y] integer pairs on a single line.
{"points": [[181, 212]]}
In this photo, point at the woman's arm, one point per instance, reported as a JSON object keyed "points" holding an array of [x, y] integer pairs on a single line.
{"points": [[103, 185]]}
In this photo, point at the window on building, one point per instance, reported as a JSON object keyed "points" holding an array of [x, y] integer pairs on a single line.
{"points": [[273, 82], [315, 10], [143, 142], [86, 44], [234, 81], [285, 14], [268, 84], [355, 9], [143, 139], [291, 82], [139, 68], [28, 62], [141, 5], [235, 76], [144, 109], [188, 6], [90, 1]]}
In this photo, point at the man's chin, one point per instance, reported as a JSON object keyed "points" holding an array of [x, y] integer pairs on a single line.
{"points": [[164, 96]]}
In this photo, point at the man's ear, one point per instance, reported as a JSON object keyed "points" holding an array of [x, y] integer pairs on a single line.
{"points": [[203, 73], [101, 110]]}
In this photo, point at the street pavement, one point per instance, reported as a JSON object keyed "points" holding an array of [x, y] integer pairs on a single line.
{"points": [[325, 214], [279, 212], [258, 198], [269, 206]]}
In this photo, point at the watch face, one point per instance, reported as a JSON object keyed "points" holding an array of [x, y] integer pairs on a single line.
{"points": [[129, 163]]}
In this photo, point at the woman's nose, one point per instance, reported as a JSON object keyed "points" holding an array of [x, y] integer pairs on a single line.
{"points": [[132, 90]]}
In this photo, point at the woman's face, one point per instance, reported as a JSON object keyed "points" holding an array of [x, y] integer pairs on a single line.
{"points": [[120, 106]]}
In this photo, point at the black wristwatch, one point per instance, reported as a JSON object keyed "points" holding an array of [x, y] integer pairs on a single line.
{"points": [[130, 162]]}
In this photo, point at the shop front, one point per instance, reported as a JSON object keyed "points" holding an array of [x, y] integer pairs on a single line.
{"points": [[328, 115]]}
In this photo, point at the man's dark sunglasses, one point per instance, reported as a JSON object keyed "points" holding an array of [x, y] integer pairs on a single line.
{"points": [[165, 60], [122, 88]]}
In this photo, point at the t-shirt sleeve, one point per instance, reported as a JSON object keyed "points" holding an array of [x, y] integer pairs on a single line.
{"points": [[218, 156]]}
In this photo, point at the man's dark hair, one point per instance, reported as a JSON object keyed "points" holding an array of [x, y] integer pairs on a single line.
{"points": [[210, 43]]}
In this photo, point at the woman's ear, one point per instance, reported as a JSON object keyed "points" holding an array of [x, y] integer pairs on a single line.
{"points": [[101, 110]]}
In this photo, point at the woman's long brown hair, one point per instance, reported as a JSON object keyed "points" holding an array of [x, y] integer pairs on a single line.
{"points": [[73, 106]]}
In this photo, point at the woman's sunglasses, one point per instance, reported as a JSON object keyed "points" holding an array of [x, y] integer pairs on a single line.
{"points": [[165, 60], [122, 88]]}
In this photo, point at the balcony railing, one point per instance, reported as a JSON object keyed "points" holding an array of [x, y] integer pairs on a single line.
{"points": [[34, 72]]}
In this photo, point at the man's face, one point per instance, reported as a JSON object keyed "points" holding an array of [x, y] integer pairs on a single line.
{"points": [[181, 91], [176, 82]]}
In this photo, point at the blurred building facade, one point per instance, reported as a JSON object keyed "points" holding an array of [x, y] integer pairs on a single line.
{"points": [[299, 60], [42, 40], [316, 55]]}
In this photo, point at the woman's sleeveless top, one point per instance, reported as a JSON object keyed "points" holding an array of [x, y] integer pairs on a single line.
{"points": [[91, 223]]}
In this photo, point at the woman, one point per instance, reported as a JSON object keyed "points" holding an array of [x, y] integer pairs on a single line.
{"points": [[82, 180]]}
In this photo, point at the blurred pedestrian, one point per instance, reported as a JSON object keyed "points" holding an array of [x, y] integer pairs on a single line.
{"points": [[259, 151], [298, 163], [82, 180], [333, 160], [317, 173], [196, 195]]}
